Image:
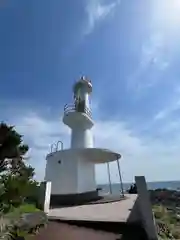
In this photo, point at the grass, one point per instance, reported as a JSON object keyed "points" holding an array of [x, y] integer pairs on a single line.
{"points": [[16, 213], [26, 208], [167, 221]]}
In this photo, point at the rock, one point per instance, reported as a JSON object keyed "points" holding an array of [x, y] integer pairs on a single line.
{"points": [[31, 220]]}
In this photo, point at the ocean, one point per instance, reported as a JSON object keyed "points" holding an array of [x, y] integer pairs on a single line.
{"points": [[171, 185]]}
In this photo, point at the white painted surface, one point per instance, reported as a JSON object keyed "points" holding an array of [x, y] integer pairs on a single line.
{"points": [[76, 172], [79, 122], [94, 155], [81, 174], [63, 176], [47, 197], [76, 120], [81, 138], [72, 175], [145, 208], [98, 155], [86, 176]]}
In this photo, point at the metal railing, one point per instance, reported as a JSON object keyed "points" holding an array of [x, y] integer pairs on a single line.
{"points": [[77, 108], [55, 146]]}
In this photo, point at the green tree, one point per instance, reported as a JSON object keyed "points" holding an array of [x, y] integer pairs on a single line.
{"points": [[17, 187], [16, 177], [12, 149]]}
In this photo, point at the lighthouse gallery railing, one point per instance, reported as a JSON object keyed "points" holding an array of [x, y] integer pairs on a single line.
{"points": [[77, 108]]}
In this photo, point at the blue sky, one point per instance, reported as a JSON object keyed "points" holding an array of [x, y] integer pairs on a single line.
{"points": [[130, 51]]}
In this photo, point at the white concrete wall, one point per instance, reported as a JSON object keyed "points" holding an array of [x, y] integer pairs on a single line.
{"points": [[63, 176], [72, 175], [47, 197], [44, 195], [81, 138], [145, 208], [77, 120], [86, 176]]}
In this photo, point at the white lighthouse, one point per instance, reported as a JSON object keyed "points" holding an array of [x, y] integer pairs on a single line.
{"points": [[72, 171], [78, 116]]}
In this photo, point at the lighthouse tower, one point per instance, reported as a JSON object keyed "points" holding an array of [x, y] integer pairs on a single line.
{"points": [[78, 116], [72, 171]]}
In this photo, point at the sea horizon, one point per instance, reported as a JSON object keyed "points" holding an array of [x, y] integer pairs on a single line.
{"points": [[146, 181], [171, 185]]}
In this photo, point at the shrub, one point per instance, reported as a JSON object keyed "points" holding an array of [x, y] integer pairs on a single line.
{"points": [[21, 222], [6, 228]]}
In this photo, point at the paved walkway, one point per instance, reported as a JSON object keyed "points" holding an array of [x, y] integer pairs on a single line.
{"points": [[114, 211]]}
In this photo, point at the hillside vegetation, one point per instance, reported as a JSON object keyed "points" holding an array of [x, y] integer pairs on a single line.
{"points": [[20, 213]]}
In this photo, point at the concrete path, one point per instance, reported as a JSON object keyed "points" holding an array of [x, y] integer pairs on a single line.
{"points": [[114, 211]]}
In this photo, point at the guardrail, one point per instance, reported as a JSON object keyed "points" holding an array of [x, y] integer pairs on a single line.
{"points": [[77, 108], [55, 146]]}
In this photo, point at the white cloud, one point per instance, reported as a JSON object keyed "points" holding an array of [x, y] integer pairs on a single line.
{"points": [[172, 106], [161, 114], [97, 10], [141, 155], [165, 16], [39, 133]]}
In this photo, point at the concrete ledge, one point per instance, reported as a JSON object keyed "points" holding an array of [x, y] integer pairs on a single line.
{"points": [[145, 208], [114, 227], [57, 231]]}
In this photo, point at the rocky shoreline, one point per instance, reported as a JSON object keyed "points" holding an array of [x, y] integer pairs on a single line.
{"points": [[169, 198], [166, 208]]}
